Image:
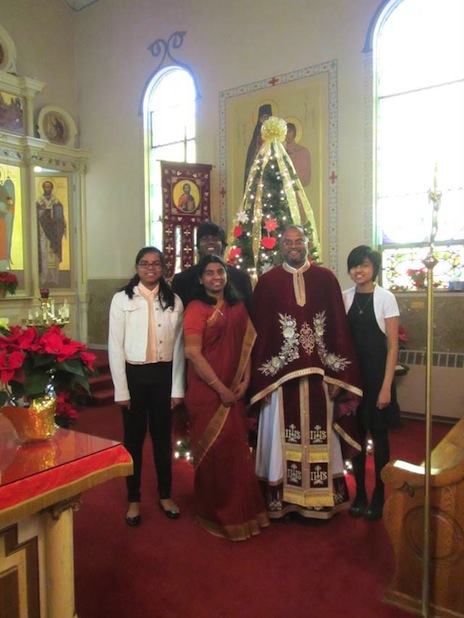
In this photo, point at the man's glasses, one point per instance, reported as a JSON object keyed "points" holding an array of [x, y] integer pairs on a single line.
{"points": [[299, 242], [147, 265]]}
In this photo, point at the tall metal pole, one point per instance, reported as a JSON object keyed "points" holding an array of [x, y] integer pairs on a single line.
{"points": [[429, 262]]}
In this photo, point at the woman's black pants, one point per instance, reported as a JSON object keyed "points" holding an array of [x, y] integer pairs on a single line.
{"points": [[150, 397]]}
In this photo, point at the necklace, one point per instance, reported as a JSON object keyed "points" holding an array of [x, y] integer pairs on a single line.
{"points": [[361, 309]]}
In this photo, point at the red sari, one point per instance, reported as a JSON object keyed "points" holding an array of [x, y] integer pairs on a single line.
{"points": [[228, 499]]}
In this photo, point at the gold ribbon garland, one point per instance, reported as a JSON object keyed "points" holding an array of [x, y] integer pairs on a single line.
{"points": [[273, 132]]}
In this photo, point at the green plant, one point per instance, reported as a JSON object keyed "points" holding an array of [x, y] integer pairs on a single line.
{"points": [[8, 281], [34, 364]]}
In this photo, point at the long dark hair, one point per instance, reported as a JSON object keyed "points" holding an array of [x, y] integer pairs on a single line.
{"points": [[231, 296], [165, 294]]}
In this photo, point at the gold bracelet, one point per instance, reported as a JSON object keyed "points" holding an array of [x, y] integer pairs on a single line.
{"points": [[212, 381]]}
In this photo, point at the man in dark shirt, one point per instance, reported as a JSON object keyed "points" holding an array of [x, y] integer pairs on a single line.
{"points": [[211, 239]]}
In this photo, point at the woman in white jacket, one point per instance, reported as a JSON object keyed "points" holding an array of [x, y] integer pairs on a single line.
{"points": [[373, 315], [147, 366]]}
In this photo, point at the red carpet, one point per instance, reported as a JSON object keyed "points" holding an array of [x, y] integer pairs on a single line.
{"points": [[170, 569]]}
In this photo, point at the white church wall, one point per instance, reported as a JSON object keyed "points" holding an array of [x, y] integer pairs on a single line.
{"points": [[226, 45], [43, 33], [96, 63]]}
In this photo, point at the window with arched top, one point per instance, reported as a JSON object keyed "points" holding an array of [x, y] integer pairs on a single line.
{"points": [[419, 140], [169, 128]]}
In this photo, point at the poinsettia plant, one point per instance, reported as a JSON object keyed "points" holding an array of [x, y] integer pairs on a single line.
{"points": [[35, 363], [8, 282], [418, 276], [402, 338]]}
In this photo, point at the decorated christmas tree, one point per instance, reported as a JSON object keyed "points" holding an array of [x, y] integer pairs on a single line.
{"points": [[274, 198]]}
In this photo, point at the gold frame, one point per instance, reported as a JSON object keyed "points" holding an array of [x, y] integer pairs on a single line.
{"points": [[308, 98]]}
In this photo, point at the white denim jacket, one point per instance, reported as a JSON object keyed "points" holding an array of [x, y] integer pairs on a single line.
{"points": [[128, 336]]}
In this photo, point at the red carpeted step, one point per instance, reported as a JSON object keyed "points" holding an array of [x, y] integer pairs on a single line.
{"points": [[101, 386], [103, 397], [101, 382]]}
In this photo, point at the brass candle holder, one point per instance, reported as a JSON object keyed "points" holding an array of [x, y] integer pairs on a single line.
{"points": [[47, 313]]}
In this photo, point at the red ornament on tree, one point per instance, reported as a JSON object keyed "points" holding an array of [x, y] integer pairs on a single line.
{"points": [[268, 242], [238, 231], [233, 255], [235, 252]]}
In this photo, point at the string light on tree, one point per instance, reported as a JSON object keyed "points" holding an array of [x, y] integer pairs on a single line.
{"points": [[273, 199], [182, 450]]}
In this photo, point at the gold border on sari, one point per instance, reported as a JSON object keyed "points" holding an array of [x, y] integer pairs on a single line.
{"points": [[216, 424]]}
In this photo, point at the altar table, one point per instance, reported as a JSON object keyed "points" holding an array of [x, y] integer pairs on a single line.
{"points": [[40, 485]]}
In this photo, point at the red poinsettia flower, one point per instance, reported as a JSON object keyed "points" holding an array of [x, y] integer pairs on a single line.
{"points": [[238, 231], [28, 339], [9, 364], [270, 225], [268, 242], [418, 276], [88, 359], [8, 282], [402, 336], [11, 340], [33, 365], [54, 343], [64, 407]]}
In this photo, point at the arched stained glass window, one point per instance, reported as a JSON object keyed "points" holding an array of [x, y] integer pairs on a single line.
{"points": [[419, 88], [169, 128]]}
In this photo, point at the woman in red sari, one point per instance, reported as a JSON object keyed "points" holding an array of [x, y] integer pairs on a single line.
{"points": [[218, 341]]}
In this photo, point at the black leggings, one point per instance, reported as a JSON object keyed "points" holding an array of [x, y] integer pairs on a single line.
{"points": [[150, 396], [381, 458]]}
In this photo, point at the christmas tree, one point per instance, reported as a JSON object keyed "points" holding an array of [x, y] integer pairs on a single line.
{"points": [[274, 198]]}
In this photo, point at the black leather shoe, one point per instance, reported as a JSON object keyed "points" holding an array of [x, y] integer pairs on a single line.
{"points": [[285, 519], [170, 513], [358, 507], [133, 521], [375, 508]]}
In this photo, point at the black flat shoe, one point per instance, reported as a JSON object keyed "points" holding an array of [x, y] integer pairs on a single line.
{"points": [[133, 521], [358, 507], [375, 509], [285, 519], [170, 513]]}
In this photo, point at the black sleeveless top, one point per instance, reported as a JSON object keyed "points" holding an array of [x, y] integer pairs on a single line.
{"points": [[371, 351]]}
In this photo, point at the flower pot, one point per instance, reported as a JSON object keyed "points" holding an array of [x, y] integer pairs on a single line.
{"points": [[34, 423], [2, 292]]}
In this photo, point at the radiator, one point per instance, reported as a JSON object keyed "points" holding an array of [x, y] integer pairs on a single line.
{"points": [[447, 388]]}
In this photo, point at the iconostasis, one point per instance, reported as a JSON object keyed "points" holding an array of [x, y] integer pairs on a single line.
{"points": [[42, 208]]}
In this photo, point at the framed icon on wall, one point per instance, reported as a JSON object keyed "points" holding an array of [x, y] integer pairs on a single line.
{"points": [[56, 125]]}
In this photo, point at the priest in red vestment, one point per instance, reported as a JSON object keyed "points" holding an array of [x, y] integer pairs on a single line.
{"points": [[306, 382]]}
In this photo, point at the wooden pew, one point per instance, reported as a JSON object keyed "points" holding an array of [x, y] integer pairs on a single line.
{"points": [[404, 516]]}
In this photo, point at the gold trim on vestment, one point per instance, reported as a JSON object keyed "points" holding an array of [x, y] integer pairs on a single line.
{"points": [[299, 287], [306, 455], [309, 513], [342, 433], [299, 373]]}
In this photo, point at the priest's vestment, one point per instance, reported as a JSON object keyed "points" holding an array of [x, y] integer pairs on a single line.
{"points": [[307, 384]]}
